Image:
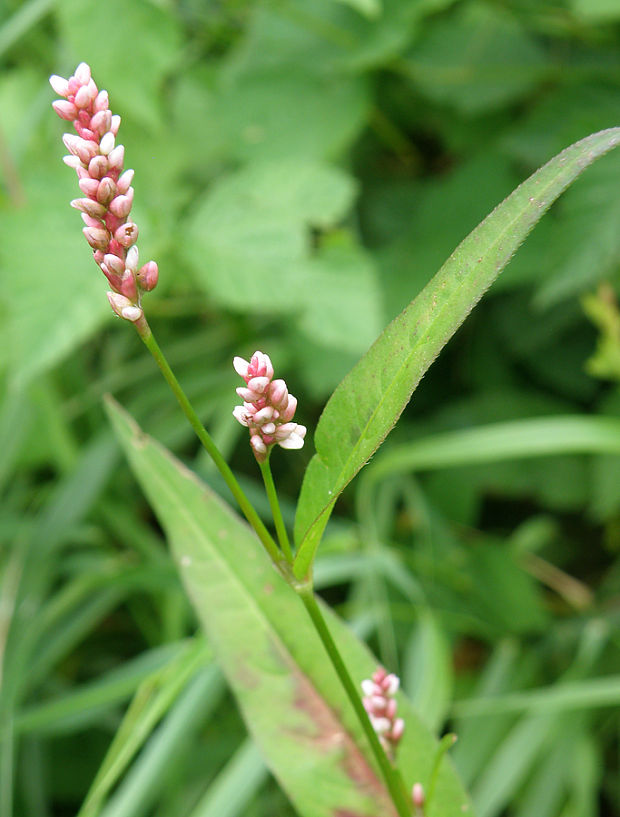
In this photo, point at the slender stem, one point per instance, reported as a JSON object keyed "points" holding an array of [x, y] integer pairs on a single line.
{"points": [[275, 509], [392, 777], [203, 435]]}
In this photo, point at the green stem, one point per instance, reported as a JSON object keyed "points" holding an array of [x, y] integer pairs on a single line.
{"points": [[275, 509], [391, 776], [144, 330]]}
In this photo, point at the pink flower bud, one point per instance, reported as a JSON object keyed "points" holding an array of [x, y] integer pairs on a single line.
{"points": [[287, 414], [89, 221], [128, 285], [106, 145], [101, 102], [82, 73], [60, 85], [98, 167], [116, 157], [101, 122], [126, 234], [123, 307], [89, 187], [73, 161], [114, 263], [263, 415], [106, 190], [64, 109], [391, 684], [97, 237], [278, 394], [124, 181], [131, 261], [417, 795], [240, 365], [92, 89], [148, 275], [240, 414], [82, 97], [93, 208], [115, 124], [258, 384], [121, 206], [260, 449], [295, 439]]}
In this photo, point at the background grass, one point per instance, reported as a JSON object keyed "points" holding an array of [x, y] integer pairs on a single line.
{"points": [[301, 172]]}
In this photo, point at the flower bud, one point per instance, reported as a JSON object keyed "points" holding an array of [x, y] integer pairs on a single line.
{"points": [[101, 102], [82, 73], [115, 263], [82, 97], [148, 275], [65, 109], [60, 85], [121, 206], [106, 145], [98, 167], [116, 157], [124, 181], [115, 124], [89, 187], [133, 256], [97, 237], [126, 234], [101, 122], [93, 208], [123, 307], [106, 190]]}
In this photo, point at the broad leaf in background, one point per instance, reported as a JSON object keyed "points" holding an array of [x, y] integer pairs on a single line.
{"points": [[370, 399], [499, 63], [290, 696], [43, 322], [136, 92], [249, 238]]}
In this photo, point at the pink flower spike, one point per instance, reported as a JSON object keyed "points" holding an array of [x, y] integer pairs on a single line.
{"points": [[381, 707], [262, 411], [417, 795]]}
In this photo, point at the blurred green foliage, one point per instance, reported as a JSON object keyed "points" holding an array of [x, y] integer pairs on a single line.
{"points": [[302, 170]]}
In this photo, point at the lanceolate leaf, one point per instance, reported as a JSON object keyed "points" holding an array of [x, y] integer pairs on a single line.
{"points": [[367, 403], [289, 695]]}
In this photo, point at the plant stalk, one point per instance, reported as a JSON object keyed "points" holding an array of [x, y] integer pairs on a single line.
{"points": [[391, 776], [144, 330], [272, 495]]}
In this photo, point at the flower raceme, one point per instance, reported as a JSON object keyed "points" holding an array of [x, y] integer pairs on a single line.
{"points": [[106, 187], [380, 704], [268, 408]]}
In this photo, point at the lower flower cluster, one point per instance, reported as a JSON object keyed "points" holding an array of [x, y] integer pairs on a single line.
{"points": [[380, 704], [267, 408]]}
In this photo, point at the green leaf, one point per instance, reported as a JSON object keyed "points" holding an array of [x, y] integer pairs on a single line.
{"points": [[477, 59], [53, 292], [249, 238], [288, 692], [370, 399], [146, 47], [596, 11], [253, 113]]}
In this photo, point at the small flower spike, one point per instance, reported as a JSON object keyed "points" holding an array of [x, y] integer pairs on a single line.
{"points": [[419, 798], [106, 189], [380, 704], [267, 409]]}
